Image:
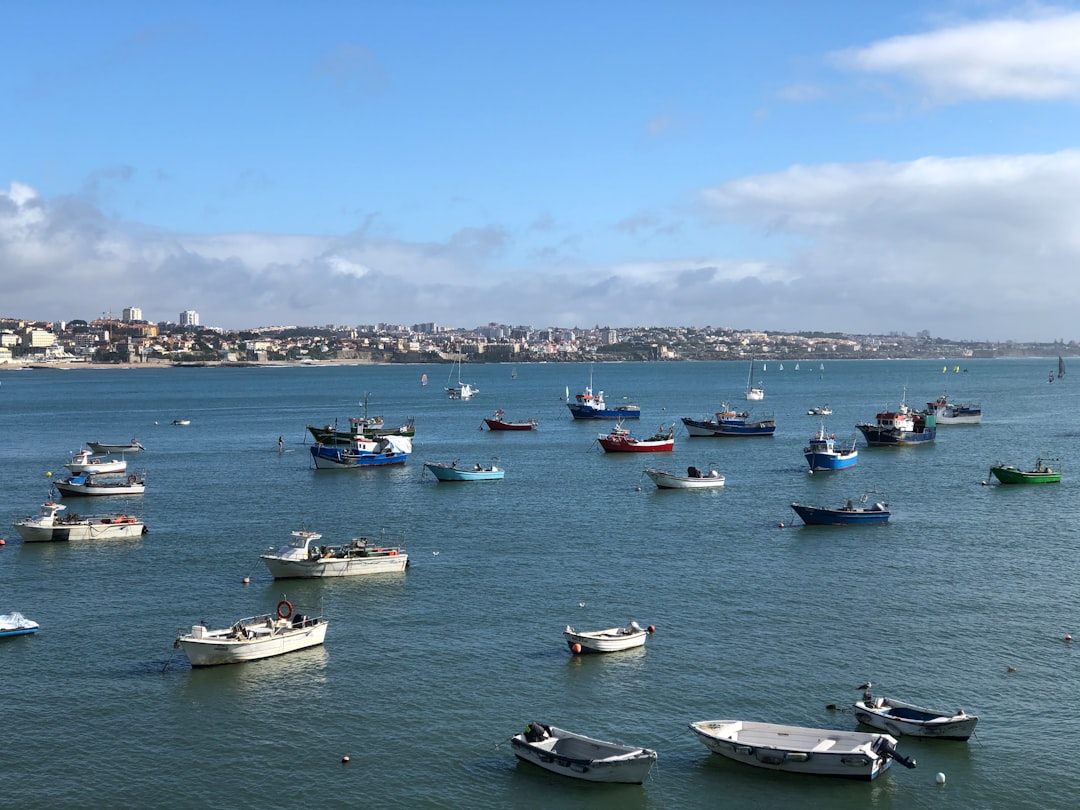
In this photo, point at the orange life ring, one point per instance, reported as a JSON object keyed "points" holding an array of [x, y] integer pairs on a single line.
{"points": [[284, 609]]}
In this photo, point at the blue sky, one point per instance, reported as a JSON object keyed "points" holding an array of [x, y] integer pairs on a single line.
{"points": [[834, 166]]}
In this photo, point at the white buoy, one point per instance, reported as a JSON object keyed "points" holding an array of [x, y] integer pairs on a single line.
{"points": [[940, 778]]}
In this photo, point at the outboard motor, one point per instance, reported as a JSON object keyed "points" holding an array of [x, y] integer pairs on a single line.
{"points": [[887, 750], [535, 732]]}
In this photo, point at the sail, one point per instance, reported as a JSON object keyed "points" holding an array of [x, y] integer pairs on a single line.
{"points": [[1061, 367]]}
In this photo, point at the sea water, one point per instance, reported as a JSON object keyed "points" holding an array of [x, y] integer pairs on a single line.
{"points": [[963, 600]]}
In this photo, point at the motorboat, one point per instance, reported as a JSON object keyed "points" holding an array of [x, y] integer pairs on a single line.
{"points": [[84, 461], [795, 749], [951, 413], [253, 638], [15, 624], [899, 718], [181, 422], [823, 453], [360, 452], [820, 410], [500, 422], [621, 440], [613, 639], [365, 427], [694, 479], [90, 484], [728, 422], [588, 404], [303, 556], [849, 514], [103, 448], [579, 757], [452, 472], [51, 524], [1041, 473]]}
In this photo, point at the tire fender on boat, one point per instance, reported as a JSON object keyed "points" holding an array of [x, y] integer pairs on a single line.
{"points": [[284, 609]]}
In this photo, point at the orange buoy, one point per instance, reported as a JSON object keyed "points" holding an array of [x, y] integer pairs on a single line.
{"points": [[575, 648], [2, 542], [247, 580], [651, 628]]}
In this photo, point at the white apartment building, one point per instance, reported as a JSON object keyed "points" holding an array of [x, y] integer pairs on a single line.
{"points": [[189, 317]]}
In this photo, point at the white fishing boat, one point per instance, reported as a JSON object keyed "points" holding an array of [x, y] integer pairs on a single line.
{"points": [[579, 757], [614, 639], [303, 556], [899, 718], [253, 638], [85, 462], [694, 479], [819, 751], [89, 484], [103, 448], [49, 524], [15, 624]]}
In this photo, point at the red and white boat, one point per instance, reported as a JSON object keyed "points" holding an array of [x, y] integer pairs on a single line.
{"points": [[499, 422], [621, 440]]}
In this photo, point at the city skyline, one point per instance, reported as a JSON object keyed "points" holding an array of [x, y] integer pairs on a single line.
{"points": [[828, 167]]}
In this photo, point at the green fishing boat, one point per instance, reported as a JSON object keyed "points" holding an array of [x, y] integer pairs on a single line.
{"points": [[1042, 473]]}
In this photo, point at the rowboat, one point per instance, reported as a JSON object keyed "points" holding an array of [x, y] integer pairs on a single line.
{"points": [[252, 638], [451, 472], [1041, 473], [899, 718], [579, 757], [614, 639], [694, 479], [819, 751]]}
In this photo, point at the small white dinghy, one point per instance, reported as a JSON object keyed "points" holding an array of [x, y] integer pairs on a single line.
{"points": [[614, 639], [897, 717], [579, 757], [820, 751], [694, 479]]}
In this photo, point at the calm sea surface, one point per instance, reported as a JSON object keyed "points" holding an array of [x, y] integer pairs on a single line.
{"points": [[425, 675]]}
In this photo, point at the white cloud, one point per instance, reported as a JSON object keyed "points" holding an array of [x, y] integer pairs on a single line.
{"points": [[1036, 58]]}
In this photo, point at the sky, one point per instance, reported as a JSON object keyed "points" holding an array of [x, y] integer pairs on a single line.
{"points": [[787, 166]]}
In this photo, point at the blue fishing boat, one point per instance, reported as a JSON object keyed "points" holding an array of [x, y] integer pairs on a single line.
{"points": [[589, 405], [730, 423], [822, 453], [849, 514], [380, 452]]}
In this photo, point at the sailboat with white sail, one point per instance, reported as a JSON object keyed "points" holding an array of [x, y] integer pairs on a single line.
{"points": [[462, 390], [753, 391]]}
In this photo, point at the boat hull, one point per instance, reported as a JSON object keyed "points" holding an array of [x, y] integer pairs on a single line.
{"points": [[393, 562], [579, 757], [666, 480], [68, 488], [498, 424], [707, 428], [215, 648], [832, 461], [898, 718], [579, 411], [630, 445], [816, 751], [877, 436], [105, 449], [329, 435]]}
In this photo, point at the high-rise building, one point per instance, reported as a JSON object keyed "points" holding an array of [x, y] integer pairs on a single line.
{"points": [[189, 317], [132, 314]]}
